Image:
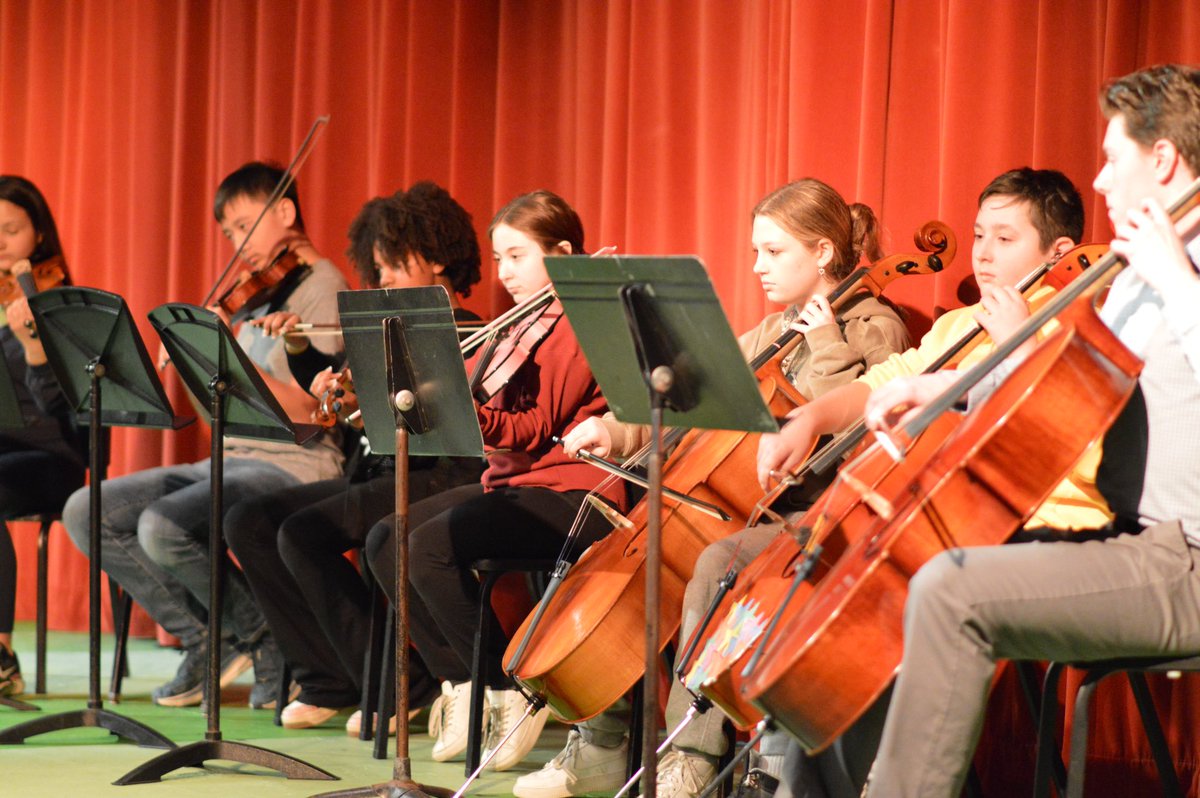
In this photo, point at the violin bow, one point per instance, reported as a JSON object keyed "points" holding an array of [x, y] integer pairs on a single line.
{"points": [[285, 183]]}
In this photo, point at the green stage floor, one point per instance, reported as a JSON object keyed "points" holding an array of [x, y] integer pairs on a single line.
{"points": [[86, 761]]}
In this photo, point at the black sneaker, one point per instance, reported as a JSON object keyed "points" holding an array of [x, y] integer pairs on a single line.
{"points": [[11, 682], [268, 671], [187, 688]]}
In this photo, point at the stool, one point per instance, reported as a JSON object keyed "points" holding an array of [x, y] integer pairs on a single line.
{"points": [[489, 571], [1134, 669]]}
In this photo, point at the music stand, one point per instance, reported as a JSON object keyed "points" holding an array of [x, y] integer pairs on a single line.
{"points": [[424, 394], [103, 369], [221, 377], [676, 363]]}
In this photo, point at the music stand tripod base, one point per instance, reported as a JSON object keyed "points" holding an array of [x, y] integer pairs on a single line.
{"points": [[196, 754], [92, 717]]}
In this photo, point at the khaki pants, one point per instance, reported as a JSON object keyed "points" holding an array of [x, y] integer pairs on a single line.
{"points": [[1132, 595]]}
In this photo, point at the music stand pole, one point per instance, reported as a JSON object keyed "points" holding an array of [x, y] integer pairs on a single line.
{"points": [[425, 391], [680, 354]]}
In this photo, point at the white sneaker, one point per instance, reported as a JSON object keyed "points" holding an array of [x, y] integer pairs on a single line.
{"points": [[682, 775], [298, 715], [448, 721], [505, 710], [577, 769]]}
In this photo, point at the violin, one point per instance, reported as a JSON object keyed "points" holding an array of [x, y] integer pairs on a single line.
{"points": [[587, 648], [261, 285], [50, 273], [504, 355]]}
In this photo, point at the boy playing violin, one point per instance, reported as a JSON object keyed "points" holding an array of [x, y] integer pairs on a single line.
{"points": [[1135, 590], [154, 530]]}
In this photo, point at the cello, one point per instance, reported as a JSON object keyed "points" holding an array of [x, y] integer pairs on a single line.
{"points": [[763, 586], [587, 649], [843, 650]]}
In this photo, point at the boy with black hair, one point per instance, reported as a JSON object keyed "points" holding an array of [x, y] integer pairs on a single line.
{"points": [[154, 530]]}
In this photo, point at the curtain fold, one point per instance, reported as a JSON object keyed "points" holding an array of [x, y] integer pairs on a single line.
{"points": [[662, 122]]}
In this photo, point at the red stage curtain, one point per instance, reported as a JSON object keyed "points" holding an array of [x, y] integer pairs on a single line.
{"points": [[663, 122]]}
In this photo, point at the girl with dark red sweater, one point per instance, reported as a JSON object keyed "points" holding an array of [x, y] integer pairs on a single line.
{"points": [[526, 501]]}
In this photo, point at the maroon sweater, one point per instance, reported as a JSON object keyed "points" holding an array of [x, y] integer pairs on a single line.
{"points": [[552, 392]]}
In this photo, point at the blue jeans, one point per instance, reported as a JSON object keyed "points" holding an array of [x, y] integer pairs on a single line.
{"points": [[154, 542]]}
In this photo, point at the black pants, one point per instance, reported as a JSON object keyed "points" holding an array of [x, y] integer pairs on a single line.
{"points": [[454, 528], [31, 482], [291, 544]]}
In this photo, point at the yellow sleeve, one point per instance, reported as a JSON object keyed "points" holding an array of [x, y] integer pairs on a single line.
{"points": [[948, 328]]}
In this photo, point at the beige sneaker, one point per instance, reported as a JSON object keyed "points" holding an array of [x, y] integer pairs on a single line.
{"points": [[298, 715], [506, 708], [448, 721], [682, 775], [578, 769]]}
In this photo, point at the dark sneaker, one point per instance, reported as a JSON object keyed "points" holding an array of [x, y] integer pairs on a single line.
{"points": [[268, 671], [11, 682], [187, 688]]}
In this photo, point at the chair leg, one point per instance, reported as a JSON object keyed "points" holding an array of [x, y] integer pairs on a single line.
{"points": [[1154, 733], [122, 609], [371, 663], [1049, 761], [283, 693], [636, 729], [43, 570], [386, 706], [1079, 733], [482, 639]]}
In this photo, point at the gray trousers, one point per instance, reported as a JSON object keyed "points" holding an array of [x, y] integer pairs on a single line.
{"points": [[1132, 595], [704, 734]]}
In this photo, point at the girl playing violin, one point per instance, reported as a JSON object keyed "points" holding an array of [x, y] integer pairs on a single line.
{"points": [[805, 239], [154, 529], [291, 542], [528, 496], [42, 462]]}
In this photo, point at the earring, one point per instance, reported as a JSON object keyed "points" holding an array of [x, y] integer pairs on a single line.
{"points": [[821, 270]]}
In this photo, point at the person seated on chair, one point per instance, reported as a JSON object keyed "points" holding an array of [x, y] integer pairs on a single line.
{"points": [[1131, 588], [529, 495], [154, 528], [291, 543], [44, 461], [807, 240], [1025, 217]]}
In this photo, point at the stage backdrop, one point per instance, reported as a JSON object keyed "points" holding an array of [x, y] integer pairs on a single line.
{"points": [[662, 122]]}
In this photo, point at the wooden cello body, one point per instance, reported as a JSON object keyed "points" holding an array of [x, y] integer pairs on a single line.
{"points": [[843, 648], [588, 649]]}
